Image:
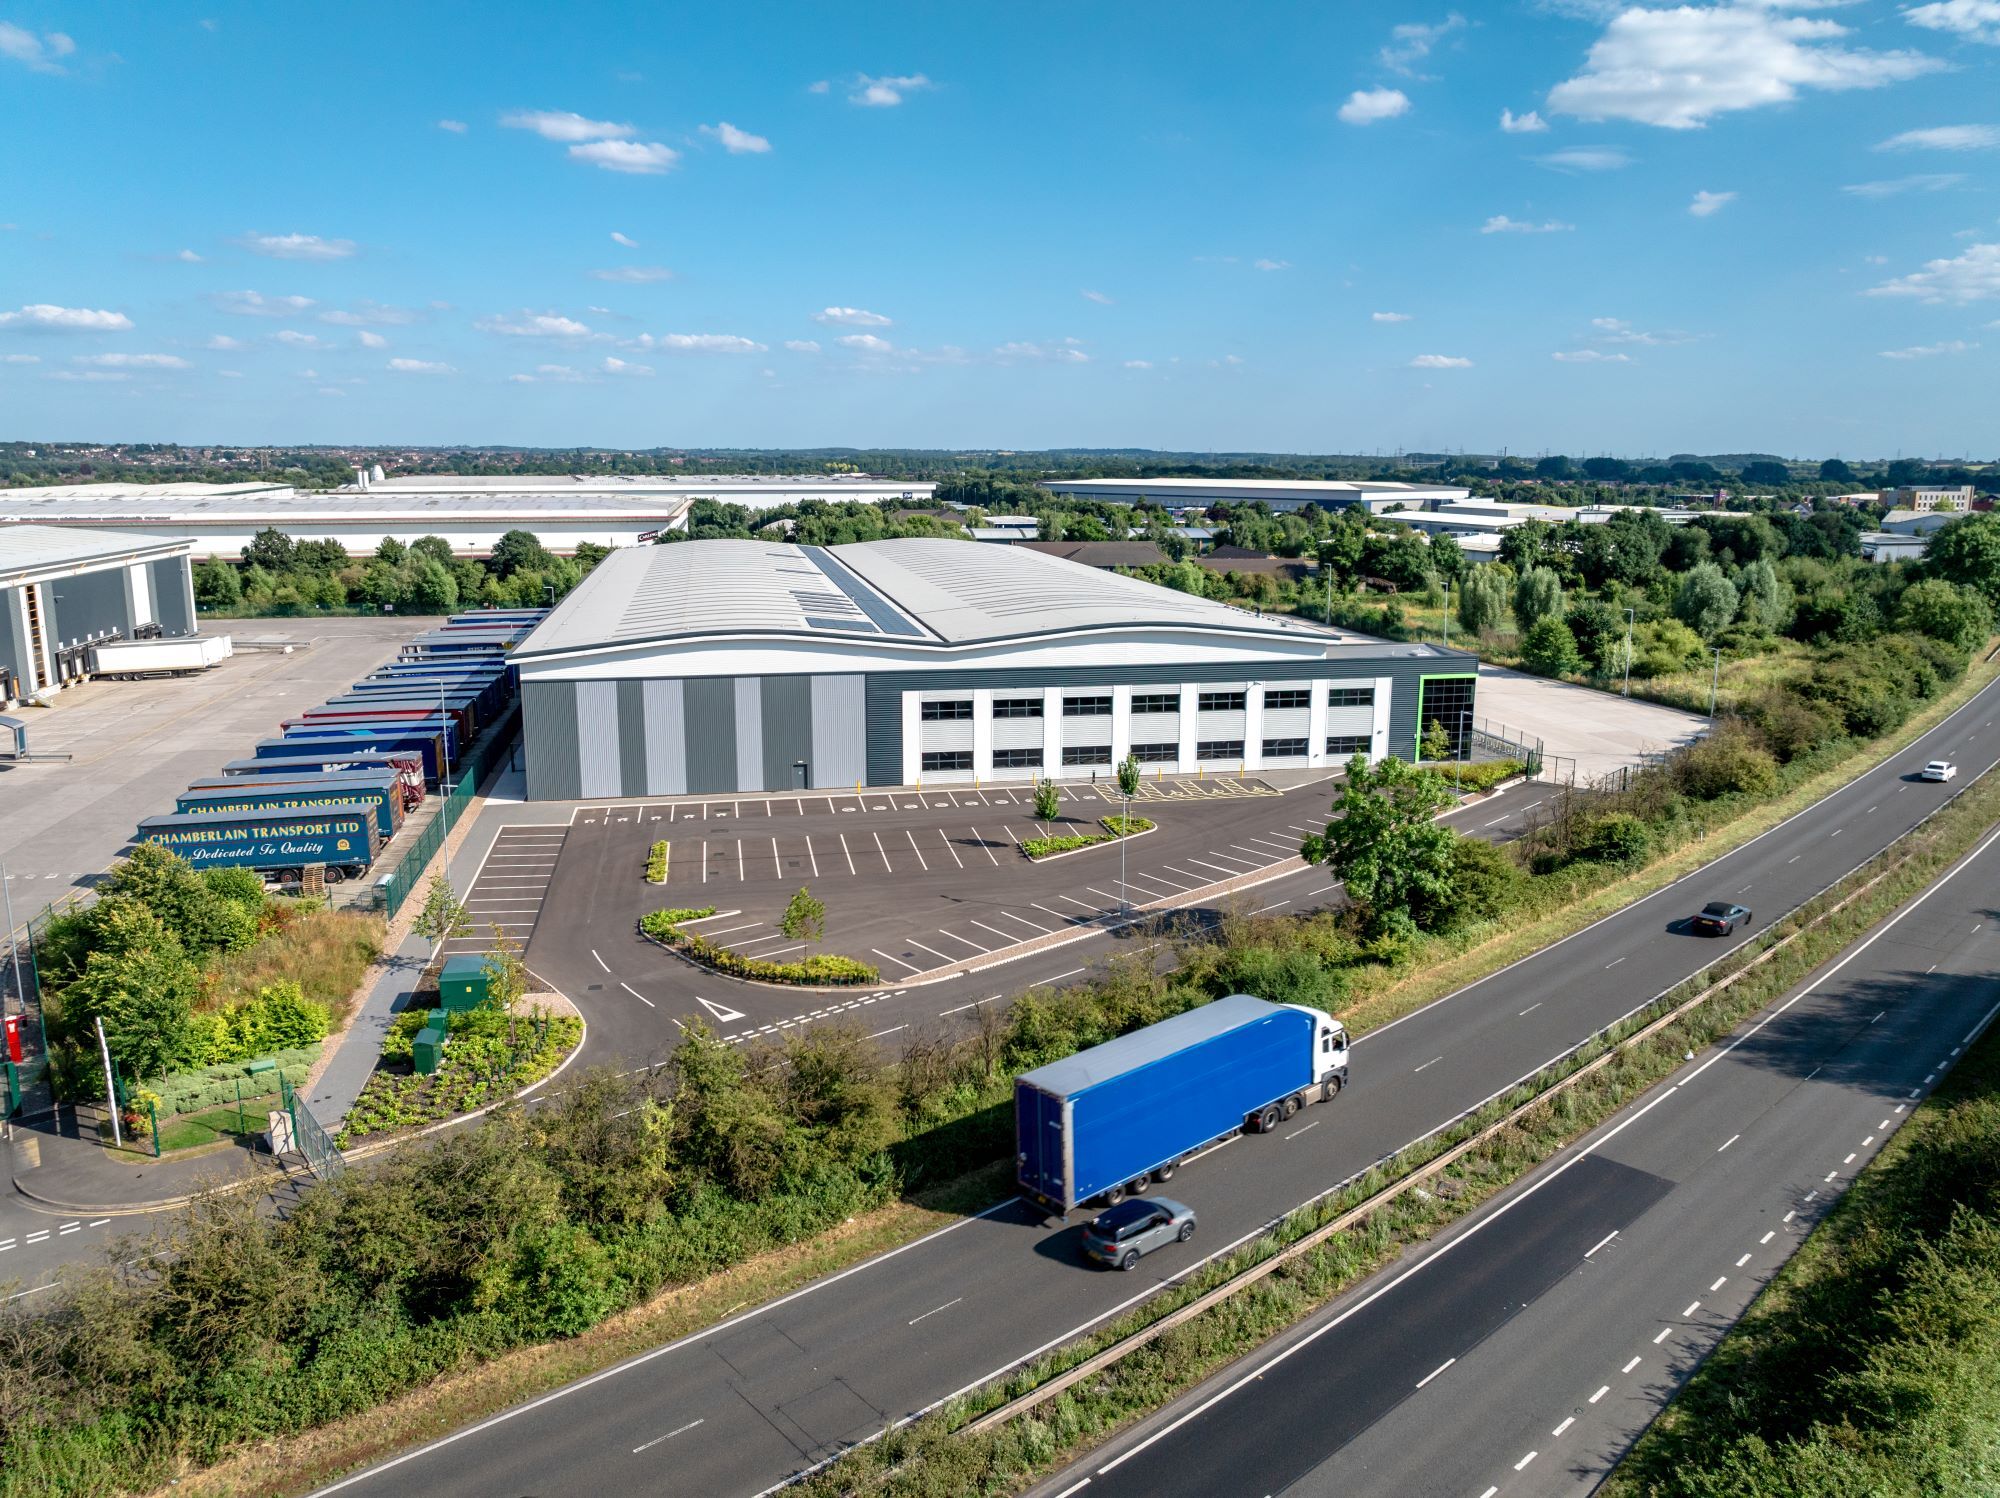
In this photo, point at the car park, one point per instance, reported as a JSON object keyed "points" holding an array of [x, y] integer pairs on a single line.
{"points": [[1719, 918], [1939, 770], [1120, 1236]]}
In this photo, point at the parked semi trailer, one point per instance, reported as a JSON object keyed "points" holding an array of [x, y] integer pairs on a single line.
{"points": [[1121, 1116], [383, 793], [276, 843], [408, 766], [128, 660], [386, 740]]}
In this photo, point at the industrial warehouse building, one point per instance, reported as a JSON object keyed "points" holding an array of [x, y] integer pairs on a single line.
{"points": [[711, 667], [62, 590], [1279, 495]]}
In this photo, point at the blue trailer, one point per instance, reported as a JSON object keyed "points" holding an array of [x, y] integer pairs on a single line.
{"points": [[274, 842], [383, 792], [328, 746], [1122, 1115], [407, 763]]}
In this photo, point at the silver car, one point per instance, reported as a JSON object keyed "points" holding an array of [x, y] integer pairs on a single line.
{"points": [[1121, 1235]]}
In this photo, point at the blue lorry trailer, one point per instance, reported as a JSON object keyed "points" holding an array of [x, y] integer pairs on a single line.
{"points": [[1123, 1115], [273, 842], [384, 793], [385, 720], [490, 694], [329, 746], [407, 764], [361, 705]]}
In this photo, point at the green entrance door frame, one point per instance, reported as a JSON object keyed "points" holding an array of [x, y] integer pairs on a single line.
{"points": [[1423, 692]]}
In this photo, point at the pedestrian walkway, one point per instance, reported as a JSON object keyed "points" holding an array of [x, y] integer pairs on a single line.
{"points": [[74, 1172]]}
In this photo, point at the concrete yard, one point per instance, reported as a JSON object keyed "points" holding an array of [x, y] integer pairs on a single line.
{"points": [[1597, 731], [136, 744]]}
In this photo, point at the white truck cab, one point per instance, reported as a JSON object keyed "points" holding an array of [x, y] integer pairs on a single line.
{"points": [[1330, 1047]]}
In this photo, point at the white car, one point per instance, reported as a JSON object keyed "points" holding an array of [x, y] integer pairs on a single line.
{"points": [[1938, 769]]}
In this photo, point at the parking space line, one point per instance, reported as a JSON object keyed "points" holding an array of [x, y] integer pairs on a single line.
{"points": [[777, 864], [950, 849], [1185, 874], [1008, 915], [1056, 913], [1220, 869], [883, 851], [966, 939], [1255, 853], [739, 858], [897, 960], [981, 840], [932, 950], [1096, 891], [813, 856], [780, 951], [849, 852], [704, 860], [916, 850], [1005, 936], [636, 994], [1078, 903]]}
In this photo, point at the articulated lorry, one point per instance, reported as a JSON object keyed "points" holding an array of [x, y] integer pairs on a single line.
{"points": [[408, 766], [1121, 1116], [382, 790], [277, 843]]}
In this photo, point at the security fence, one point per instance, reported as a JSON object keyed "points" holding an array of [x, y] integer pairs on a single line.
{"points": [[322, 1155]]}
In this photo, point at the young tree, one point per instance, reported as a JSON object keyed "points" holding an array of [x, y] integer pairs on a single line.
{"points": [[1538, 595], [392, 551], [804, 916], [1944, 611], [1436, 742], [1128, 777], [1482, 600], [1447, 558], [443, 916], [217, 585], [1706, 600], [1048, 802], [1382, 842], [506, 974], [1549, 649], [1766, 602], [431, 589]]}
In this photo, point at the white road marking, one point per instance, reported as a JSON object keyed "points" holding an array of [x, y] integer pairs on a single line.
{"points": [[897, 960], [1664, 1333], [1718, 1284], [890, 1031], [1593, 1399], [1306, 1130], [636, 994], [1005, 936], [1727, 1142], [916, 850], [600, 961], [966, 939], [973, 1005], [739, 858], [883, 851], [1614, 963], [1630, 1366], [1525, 1460], [1600, 1243], [934, 1310], [932, 950], [1693, 1306], [849, 852], [1530, 1009], [1073, 972], [1435, 1371], [950, 849], [813, 856], [1432, 1062], [984, 847], [777, 864], [667, 1437], [1568, 1421], [1008, 915]]}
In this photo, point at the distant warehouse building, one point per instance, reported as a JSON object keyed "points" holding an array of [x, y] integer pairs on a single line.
{"points": [[715, 667], [63, 590], [1278, 494]]}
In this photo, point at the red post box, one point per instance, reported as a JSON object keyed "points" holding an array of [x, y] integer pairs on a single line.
{"points": [[14, 1038]]}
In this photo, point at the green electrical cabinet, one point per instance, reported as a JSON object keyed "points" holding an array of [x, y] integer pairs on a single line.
{"points": [[462, 985], [427, 1049]]}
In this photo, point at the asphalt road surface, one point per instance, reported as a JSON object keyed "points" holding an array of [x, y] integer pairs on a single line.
{"points": [[778, 1389], [1525, 1352]]}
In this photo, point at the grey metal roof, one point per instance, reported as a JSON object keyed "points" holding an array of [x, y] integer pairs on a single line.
{"points": [[912, 591], [1086, 1069], [26, 550]]}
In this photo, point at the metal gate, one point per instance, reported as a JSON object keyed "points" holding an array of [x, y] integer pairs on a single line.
{"points": [[322, 1155]]}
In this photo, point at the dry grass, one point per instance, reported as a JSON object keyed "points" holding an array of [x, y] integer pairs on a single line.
{"points": [[326, 952]]}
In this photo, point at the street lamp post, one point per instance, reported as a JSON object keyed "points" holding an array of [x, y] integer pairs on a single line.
{"points": [[1628, 652]]}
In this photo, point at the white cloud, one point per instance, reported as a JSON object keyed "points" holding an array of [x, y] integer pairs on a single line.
{"points": [[1707, 204], [420, 366], [802, 345], [555, 374], [1930, 350], [297, 246], [613, 366], [20, 358], [222, 343], [634, 275], [43, 317], [884, 93], [1679, 68], [866, 343], [737, 142], [1530, 123], [640, 159], [1945, 138], [187, 257], [1388, 317], [1501, 224], [1971, 277], [699, 343], [367, 314], [132, 361], [1138, 363], [1589, 356], [1617, 330], [819, 87], [295, 338], [36, 53], [535, 325], [1271, 265], [1921, 182], [852, 317], [1065, 352], [456, 127], [1411, 42], [1098, 297], [1586, 159], [1975, 20], [95, 376], [256, 304], [371, 340], [1367, 105], [624, 239], [564, 125], [1440, 361]]}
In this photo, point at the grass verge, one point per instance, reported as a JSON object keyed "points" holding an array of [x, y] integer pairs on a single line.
{"points": [[952, 1452]]}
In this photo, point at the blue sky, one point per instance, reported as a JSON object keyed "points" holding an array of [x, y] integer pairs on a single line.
{"points": [[1547, 224]]}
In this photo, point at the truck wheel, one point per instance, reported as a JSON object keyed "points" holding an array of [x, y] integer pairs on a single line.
{"points": [[1138, 1187], [333, 874], [1331, 1090], [1130, 1259], [1268, 1120], [1166, 1172], [1292, 1105], [1114, 1196]]}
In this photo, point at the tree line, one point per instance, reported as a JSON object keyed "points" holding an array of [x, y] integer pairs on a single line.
{"points": [[282, 575]]}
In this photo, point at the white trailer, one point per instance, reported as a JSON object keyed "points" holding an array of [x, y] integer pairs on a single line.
{"points": [[182, 656]]}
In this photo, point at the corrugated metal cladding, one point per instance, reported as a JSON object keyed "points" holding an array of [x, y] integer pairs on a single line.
{"points": [[886, 688], [173, 595], [713, 736]]}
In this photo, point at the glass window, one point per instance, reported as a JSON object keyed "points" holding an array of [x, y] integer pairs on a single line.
{"points": [[1017, 707], [1086, 707], [1219, 749], [1086, 754], [940, 712], [1223, 702], [1156, 754], [1156, 702], [1347, 744], [1447, 701], [948, 759], [1289, 697], [1017, 759], [1284, 748], [1351, 697]]}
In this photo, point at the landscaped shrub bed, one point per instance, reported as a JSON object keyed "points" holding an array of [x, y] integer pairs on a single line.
{"points": [[1114, 828], [822, 969], [488, 1057], [1480, 776]]}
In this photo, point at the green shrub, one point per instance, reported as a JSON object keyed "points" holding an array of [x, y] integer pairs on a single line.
{"points": [[823, 968], [208, 1086], [1480, 775], [1727, 762], [656, 863], [1618, 837], [1114, 828]]}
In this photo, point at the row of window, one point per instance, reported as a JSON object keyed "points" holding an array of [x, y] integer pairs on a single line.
{"points": [[1151, 702], [1146, 754]]}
